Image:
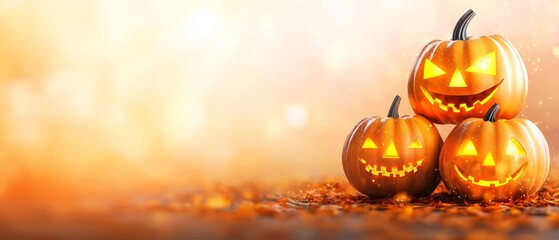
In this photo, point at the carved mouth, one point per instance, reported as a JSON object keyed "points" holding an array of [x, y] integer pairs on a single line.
{"points": [[394, 171], [489, 183], [456, 103]]}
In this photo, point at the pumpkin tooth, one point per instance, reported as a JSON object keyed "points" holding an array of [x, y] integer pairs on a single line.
{"points": [[477, 102], [490, 183], [462, 107], [394, 171], [441, 105], [454, 109]]}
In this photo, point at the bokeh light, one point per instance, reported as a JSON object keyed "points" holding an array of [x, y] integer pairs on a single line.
{"points": [[107, 95]]}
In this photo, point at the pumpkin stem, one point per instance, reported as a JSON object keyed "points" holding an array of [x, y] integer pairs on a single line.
{"points": [[459, 32], [491, 114], [393, 112]]}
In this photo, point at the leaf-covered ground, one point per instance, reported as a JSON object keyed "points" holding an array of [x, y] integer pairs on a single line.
{"points": [[326, 208]]}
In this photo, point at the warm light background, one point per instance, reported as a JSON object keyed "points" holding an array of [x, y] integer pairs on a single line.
{"points": [[112, 94]]}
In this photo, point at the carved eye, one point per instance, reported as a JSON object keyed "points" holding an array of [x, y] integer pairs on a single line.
{"points": [[369, 144], [415, 144], [515, 148], [485, 65], [430, 70], [467, 149]]}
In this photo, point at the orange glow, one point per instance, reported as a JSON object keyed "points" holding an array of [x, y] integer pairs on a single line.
{"points": [[100, 100]]}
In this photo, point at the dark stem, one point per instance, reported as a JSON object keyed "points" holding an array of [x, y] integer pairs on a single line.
{"points": [[491, 114], [459, 32], [393, 112]]}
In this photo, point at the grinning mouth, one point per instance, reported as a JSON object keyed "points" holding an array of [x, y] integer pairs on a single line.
{"points": [[460, 103], [489, 183], [394, 171]]}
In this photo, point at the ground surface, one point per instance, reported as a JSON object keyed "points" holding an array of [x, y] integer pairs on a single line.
{"points": [[327, 208]]}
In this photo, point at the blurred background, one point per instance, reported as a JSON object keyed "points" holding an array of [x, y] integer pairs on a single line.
{"points": [[103, 95]]}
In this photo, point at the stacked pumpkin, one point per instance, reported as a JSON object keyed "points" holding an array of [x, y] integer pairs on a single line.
{"points": [[480, 84]]}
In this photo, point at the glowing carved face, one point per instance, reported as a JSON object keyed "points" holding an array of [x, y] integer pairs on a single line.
{"points": [[461, 78], [468, 154], [455, 80], [489, 159], [391, 165], [465, 101], [380, 155]]}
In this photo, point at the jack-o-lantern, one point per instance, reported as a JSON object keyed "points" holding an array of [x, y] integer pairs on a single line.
{"points": [[462, 78], [494, 160], [386, 156]]}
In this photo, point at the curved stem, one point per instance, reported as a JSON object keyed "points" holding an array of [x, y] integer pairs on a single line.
{"points": [[491, 114], [459, 32], [393, 112]]}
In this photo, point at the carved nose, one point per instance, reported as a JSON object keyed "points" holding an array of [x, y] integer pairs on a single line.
{"points": [[488, 162], [457, 80], [391, 151]]}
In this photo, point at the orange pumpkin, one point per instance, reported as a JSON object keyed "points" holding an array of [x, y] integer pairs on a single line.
{"points": [[385, 156], [494, 160], [462, 78]]}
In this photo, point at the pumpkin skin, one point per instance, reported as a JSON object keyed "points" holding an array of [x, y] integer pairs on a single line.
{"points": [[494, 160], [386, 156], [462, 78]]}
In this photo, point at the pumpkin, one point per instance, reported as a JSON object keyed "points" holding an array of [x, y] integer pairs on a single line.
{"points": [[461, 78], [386, 156], [494, 160]]}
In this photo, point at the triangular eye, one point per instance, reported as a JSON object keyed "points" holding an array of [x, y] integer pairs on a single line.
{"points": [[515, 148], [430, 70], [369, 144], [467, 149], [485, 65], [415, 144]]}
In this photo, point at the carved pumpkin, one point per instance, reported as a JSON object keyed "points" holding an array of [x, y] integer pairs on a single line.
{"points": [[385, 156], [462, 78], [494, 160]]}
